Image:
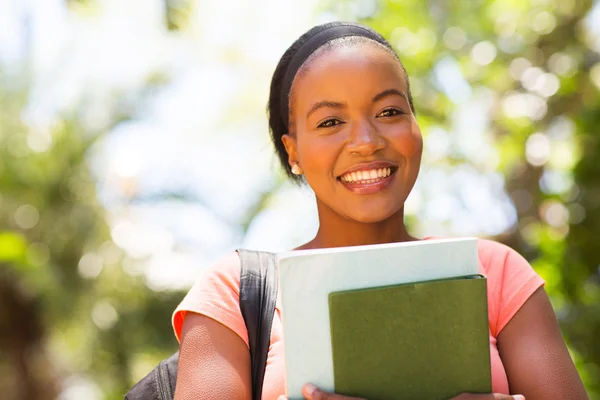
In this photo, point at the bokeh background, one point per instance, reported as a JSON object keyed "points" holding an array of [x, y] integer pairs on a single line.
{"points": [[134, 152]]}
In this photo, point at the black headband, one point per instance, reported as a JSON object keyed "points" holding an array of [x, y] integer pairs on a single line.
{"points": [[310, 46]]}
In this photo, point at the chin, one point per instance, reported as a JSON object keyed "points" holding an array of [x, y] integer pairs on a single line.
{"points": [[372, 216]]}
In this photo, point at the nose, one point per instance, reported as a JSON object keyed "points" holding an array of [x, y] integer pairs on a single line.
{"points": [[364, 140]]}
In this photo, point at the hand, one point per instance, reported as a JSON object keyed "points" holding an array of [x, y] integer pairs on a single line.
{"points": [[496, 396], [311, 392]]}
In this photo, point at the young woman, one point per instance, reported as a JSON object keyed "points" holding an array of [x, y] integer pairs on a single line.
{"points": [[342, 119]]}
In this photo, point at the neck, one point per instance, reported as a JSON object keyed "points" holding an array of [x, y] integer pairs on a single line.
{"points": [[337, 231]]}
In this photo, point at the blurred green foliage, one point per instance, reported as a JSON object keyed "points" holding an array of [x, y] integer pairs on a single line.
{"points": [[68, 309]]}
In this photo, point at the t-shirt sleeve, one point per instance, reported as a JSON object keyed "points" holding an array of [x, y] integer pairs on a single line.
{"points": [[511, 281], [215, 294]]}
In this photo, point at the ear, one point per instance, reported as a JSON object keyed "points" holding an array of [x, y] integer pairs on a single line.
{"points": [[290, 147]]}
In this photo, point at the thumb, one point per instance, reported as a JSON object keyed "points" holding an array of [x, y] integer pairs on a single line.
{"points": [[495, 396], [282, 397], [311, 392]]}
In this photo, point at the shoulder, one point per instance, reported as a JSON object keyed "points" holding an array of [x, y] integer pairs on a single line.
{"points": [[494, 254], [215, 294], [217, 280], [213, 362], [511, 280], [225, 271]]}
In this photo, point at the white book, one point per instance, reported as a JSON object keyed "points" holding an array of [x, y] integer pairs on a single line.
{"points": [[307, 277]]}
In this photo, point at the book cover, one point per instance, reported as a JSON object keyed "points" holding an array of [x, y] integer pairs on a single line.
{"points": [[426, 340]]}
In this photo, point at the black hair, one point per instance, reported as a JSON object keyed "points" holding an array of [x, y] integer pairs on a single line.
{"points": [[278, 123]]}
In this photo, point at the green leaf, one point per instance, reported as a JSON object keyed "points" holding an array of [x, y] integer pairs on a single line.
{"points": [[12, 246]]}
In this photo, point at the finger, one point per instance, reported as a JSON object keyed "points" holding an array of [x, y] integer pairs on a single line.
{"points": [[282, 397], [495, 396], [311, 392]]}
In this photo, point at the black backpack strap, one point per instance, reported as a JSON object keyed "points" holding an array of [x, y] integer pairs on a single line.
{"points": [[258, 295]]}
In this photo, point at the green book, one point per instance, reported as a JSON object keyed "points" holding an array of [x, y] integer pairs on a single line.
{"points": [[426, 340]]}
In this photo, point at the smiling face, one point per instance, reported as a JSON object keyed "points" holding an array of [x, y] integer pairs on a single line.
{"points": [[353, 132]]}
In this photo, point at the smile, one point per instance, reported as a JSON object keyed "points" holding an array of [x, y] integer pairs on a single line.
{"points": [[368, 178]]}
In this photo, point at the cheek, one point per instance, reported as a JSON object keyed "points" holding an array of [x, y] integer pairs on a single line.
{"points": [[317, 154], [414, 145], [408, 140]]}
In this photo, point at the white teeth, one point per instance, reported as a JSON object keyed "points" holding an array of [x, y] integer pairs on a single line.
{"points": [[367, 176]]}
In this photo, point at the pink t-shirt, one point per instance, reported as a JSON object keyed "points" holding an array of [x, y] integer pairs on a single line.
{"points": [[510, 282]]}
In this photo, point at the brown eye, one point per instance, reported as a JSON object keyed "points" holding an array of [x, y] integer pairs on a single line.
{"points": [[389, 112], [329, 123]]}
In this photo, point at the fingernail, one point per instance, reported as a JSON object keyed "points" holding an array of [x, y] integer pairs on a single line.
{"points": [[518, 397], [310, 389]]}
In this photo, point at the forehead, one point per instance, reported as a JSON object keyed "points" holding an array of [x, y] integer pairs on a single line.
{"points": [[354, 68]]}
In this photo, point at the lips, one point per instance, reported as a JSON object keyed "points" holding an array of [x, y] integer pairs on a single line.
{"points": [[368, 178]]}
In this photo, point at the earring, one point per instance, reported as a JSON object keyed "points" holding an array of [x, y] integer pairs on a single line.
{"points": [[296, 170]]}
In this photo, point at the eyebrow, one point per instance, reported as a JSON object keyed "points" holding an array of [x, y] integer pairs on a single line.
{"points": [[322, 104], [389, 92], [334, 104]]}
